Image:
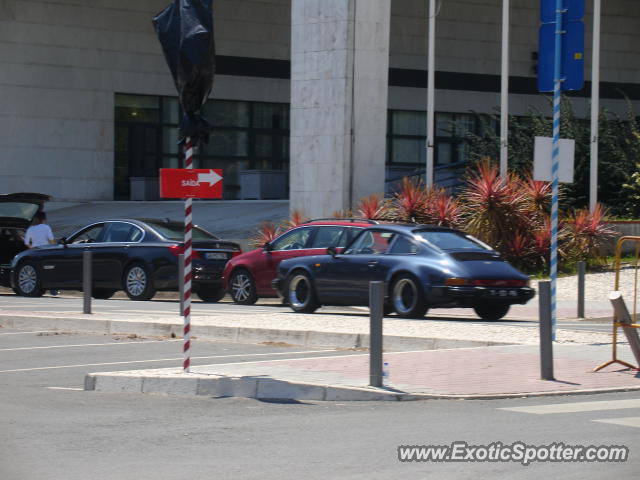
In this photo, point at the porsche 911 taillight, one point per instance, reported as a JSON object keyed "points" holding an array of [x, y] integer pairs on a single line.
{"points": [[499, 282], [179, 250], [455, 282]]}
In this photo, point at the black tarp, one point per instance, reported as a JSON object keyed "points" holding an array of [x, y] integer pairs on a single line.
{"points": [[185, 30]]}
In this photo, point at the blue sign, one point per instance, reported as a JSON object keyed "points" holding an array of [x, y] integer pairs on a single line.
{"points": [[575, 10], [572, 51], [572, 61]]}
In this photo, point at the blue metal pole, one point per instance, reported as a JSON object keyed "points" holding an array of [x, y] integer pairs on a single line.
{"points": [[555, 162]]}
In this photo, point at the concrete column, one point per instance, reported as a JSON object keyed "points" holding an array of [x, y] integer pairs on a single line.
{"points": [[339, 78]]}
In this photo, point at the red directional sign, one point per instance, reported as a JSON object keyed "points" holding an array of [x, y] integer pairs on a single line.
{"points": [[190, 183]]}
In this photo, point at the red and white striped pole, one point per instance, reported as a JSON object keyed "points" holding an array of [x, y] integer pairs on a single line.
{"points": [[187, 265]]}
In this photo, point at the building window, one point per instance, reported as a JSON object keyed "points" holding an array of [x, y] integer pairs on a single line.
{"points": [[406, 144], [244, 136]]}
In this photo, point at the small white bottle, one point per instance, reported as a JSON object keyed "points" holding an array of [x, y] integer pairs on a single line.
{"points": [[385, 373]]}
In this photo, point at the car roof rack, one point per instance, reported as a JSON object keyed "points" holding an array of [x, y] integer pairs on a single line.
{"points": [[362, 220]]}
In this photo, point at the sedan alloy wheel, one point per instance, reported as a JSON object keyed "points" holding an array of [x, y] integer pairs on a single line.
{"points": [[137, 283], [28, 281], [243, 288]]}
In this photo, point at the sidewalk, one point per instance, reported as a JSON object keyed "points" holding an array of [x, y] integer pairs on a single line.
{"points": [[472, 373], [328, 327], [438, 357]]}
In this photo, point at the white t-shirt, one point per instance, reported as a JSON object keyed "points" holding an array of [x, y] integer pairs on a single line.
{"points": [[38, 235]]}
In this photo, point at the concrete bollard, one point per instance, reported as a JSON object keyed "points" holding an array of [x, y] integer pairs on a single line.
{"points": [[86, 280], [546, 331], [376, 307], [581, 274]]}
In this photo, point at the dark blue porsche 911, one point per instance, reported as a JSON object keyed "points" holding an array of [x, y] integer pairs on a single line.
{"points": [[423, 266]]}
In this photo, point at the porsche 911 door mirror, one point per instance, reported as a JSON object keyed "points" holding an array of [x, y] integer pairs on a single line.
{"points": [[267, 247], [332, 251], [63, 241]]}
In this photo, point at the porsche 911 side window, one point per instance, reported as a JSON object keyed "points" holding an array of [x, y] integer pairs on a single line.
{"points": [[371, 243], [403, 246]]}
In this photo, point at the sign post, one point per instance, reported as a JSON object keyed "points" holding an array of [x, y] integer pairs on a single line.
{"points": [[185, 31], [186, 301], [188, 183], [561, 27]]}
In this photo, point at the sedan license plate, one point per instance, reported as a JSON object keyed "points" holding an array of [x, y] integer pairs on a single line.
{"points": [[215, 256]]}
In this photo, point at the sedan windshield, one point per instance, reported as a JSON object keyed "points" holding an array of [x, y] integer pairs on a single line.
{"points": [[175, 231], [450, 240]]}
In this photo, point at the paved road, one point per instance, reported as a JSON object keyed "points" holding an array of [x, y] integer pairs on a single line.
{"points": [[50, 428], [67, 302]]}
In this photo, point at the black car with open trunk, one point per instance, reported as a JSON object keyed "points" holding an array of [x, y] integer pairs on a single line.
{"points": [[139, 256]]}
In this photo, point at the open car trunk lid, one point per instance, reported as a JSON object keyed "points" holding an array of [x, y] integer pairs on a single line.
{"points": [[17, 210]]}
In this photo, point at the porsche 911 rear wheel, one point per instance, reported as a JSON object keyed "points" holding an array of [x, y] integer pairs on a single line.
{"points": [[407, 297], [300, 293], [491, 312]]}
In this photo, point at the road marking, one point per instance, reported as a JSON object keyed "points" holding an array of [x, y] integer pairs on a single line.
{"points": [[86, 345], [577, 407], [75, 389], [25, 333], [627, 421], [179, 359]]}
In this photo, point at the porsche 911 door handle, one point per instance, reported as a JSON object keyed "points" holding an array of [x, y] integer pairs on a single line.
{"points": [[372, 264]]}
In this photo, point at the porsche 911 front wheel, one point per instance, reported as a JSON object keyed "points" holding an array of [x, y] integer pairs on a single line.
{"points": [[300, 293]]}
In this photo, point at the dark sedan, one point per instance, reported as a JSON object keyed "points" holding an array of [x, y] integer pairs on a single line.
{"points": [[422, 266], [137, 256]]}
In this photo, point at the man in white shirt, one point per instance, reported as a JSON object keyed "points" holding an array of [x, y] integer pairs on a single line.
{"points": [[39, 233]]}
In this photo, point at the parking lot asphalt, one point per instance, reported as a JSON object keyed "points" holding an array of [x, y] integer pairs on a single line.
{"points": [[50, 427]]}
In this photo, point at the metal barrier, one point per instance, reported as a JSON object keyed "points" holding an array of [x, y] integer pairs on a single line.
{"points": [[621, 317]]}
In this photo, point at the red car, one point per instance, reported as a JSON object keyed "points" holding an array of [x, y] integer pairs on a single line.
{"points": [[248, 276]]}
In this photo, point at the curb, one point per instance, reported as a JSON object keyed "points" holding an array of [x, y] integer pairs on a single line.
{"points": [[308, 338], [194, 384]]}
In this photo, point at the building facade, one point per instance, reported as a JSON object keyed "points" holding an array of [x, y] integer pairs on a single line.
{"points": [[320, 98]]}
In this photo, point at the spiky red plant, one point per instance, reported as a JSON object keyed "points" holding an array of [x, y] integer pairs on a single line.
{"points": [[410, 202], [443, 209], [537, 194], [267, 232], [295, 219], [518, 249], [494, 207], [372, 207], [588, 234]]}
